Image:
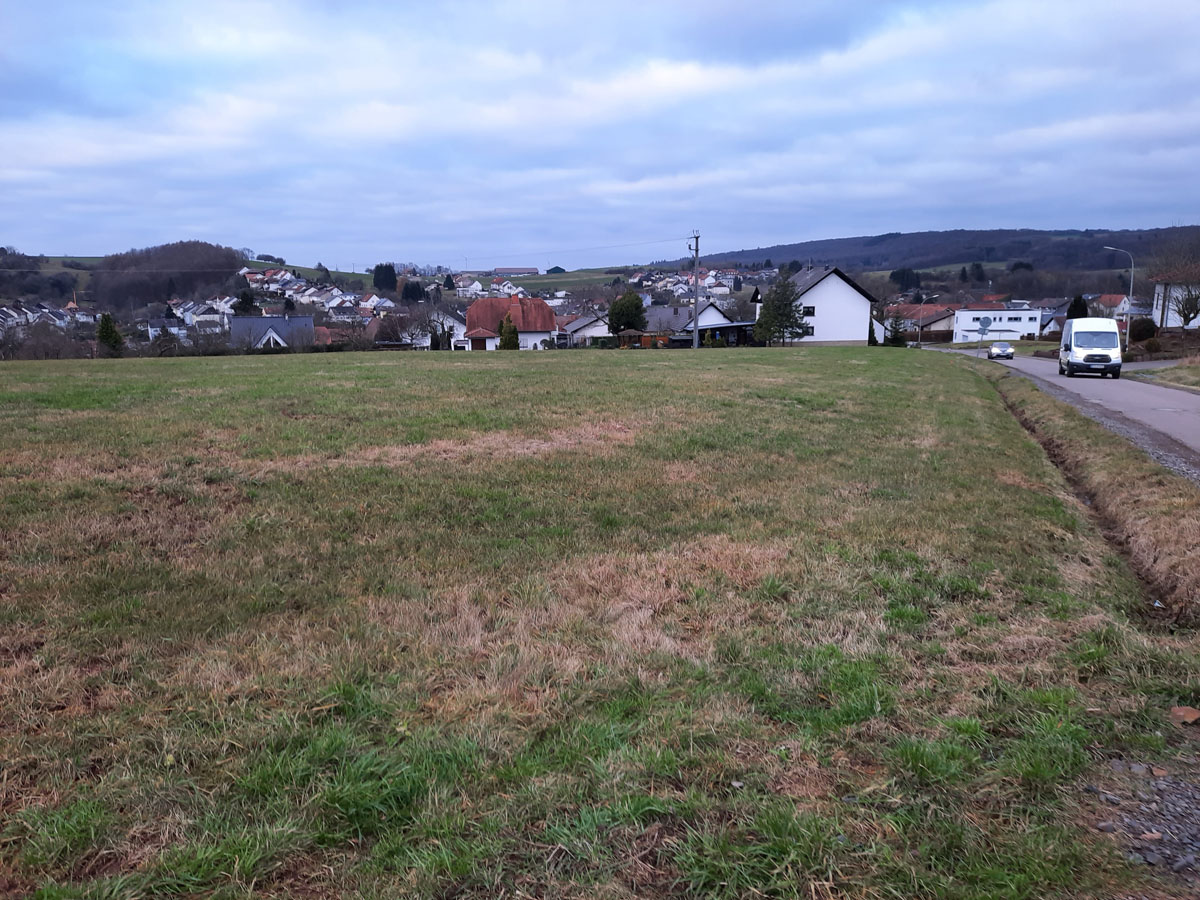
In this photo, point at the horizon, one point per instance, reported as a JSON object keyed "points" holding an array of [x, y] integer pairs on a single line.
{"points": [[382, 132]]}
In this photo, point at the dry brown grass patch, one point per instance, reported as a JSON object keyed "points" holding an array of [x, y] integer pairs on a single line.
{"points": [[1152, 512]]}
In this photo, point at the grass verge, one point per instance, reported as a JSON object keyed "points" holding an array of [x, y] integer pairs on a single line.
{"points": [[1154, 513], [1184, 374]]}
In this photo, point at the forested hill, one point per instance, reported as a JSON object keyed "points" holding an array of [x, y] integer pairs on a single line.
{"points": [[1046, 250]]}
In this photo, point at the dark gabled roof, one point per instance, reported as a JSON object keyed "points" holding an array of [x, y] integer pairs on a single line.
{"points": [[807, 279], [580, 322], [247, 331]]}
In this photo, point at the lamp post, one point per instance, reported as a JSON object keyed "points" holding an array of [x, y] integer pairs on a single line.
{"points": [[1129, 303]]}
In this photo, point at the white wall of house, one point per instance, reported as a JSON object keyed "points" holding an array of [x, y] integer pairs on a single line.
{"points": [[712, 317], [532, 340], [459, 332], [583, 336], [1007, 324], [1169, 293], [839, 315]]}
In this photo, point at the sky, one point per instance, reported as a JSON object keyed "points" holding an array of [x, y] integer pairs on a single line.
{"points": [[540, 133]]}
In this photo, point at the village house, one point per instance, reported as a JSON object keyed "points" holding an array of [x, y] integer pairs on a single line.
{"points": [[1004, 324], [533, 319], [836, 310], [1172, 289], [271, 332], [581, 331]]}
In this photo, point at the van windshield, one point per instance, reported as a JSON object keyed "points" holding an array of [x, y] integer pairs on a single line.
{"points": [[1098, 340]]}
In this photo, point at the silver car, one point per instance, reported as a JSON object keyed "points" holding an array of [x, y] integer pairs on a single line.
{"points": [[1000, 350]]}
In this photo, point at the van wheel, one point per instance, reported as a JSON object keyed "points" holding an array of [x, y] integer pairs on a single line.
{"points": [[1070, 372], [1116, 374], [1061, 371]]}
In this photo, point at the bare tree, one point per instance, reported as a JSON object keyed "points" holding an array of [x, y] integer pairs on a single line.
{"points": [[418, 323]]}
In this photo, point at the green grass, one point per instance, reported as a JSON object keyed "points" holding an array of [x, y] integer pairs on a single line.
{"points": [[566, 281], [1182, 375], [723, 624]]}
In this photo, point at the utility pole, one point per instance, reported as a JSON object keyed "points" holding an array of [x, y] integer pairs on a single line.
{"points": [[694, 246]]}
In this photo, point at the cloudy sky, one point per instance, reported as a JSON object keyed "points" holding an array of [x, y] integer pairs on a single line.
{"points": [[532, 132]]}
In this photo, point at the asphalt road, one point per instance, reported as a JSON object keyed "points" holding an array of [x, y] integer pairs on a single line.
{"points": [[1163, 421]]}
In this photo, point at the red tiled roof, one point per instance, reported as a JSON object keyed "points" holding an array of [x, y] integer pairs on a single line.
{"points": [[920, 310], [978, 306], [994, 298], [1187, 274], [1110, 299], [528, 313], [480, 333]]}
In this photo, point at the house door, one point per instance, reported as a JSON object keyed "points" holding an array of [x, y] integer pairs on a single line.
{"points": [[478, 343]]}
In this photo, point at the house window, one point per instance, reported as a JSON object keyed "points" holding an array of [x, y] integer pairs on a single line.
{"points": [[974, 318], [806, 331], [809, 311]]}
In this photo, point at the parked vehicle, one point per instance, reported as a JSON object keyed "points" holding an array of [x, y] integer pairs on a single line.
{"points": [[1001, 350], [1090, 345]]}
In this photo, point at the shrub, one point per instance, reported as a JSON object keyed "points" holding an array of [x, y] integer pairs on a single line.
{"points": [[1153, 345], [1142, 329]]}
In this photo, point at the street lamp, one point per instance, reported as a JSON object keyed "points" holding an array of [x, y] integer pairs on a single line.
{"points": [[1129, 304]]}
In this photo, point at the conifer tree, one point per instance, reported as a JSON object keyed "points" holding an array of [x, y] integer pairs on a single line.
{"points": [[108, 337], [509, 340]]}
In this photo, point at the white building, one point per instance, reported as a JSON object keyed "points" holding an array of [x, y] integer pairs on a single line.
{"points": [[1004, 324], [1171, 293], [835, 309], [584, 330]]}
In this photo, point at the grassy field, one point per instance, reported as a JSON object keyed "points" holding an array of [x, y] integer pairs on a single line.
{"points": [[782, 623], [567, 281]]}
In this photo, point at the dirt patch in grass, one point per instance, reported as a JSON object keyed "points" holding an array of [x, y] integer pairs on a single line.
{"points": [[1151, 513]]}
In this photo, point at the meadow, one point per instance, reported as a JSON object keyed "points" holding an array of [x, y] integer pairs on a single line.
{"points": [[794, 623]]}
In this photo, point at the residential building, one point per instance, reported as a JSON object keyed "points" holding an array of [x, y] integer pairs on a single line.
{"points": [[270, 332], [1171, 290], [1003, 324], [533, 318], [836, 310]]}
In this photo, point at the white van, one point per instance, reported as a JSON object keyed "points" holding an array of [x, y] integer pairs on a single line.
{"points": [[1090, 345]]}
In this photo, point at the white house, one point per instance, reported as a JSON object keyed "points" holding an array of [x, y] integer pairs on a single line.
{"points": [[835, 309], [468, 287], [534, 321], [176, 326], [447, 323], [1170, 291], [375, 301], [1004, 325], [584, 330]]}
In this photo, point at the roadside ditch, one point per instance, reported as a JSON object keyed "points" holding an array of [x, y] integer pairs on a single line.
{"points": [[1150, 514]]}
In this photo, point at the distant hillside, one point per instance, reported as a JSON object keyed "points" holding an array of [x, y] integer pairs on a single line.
{"points": [[1047, 250]]}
